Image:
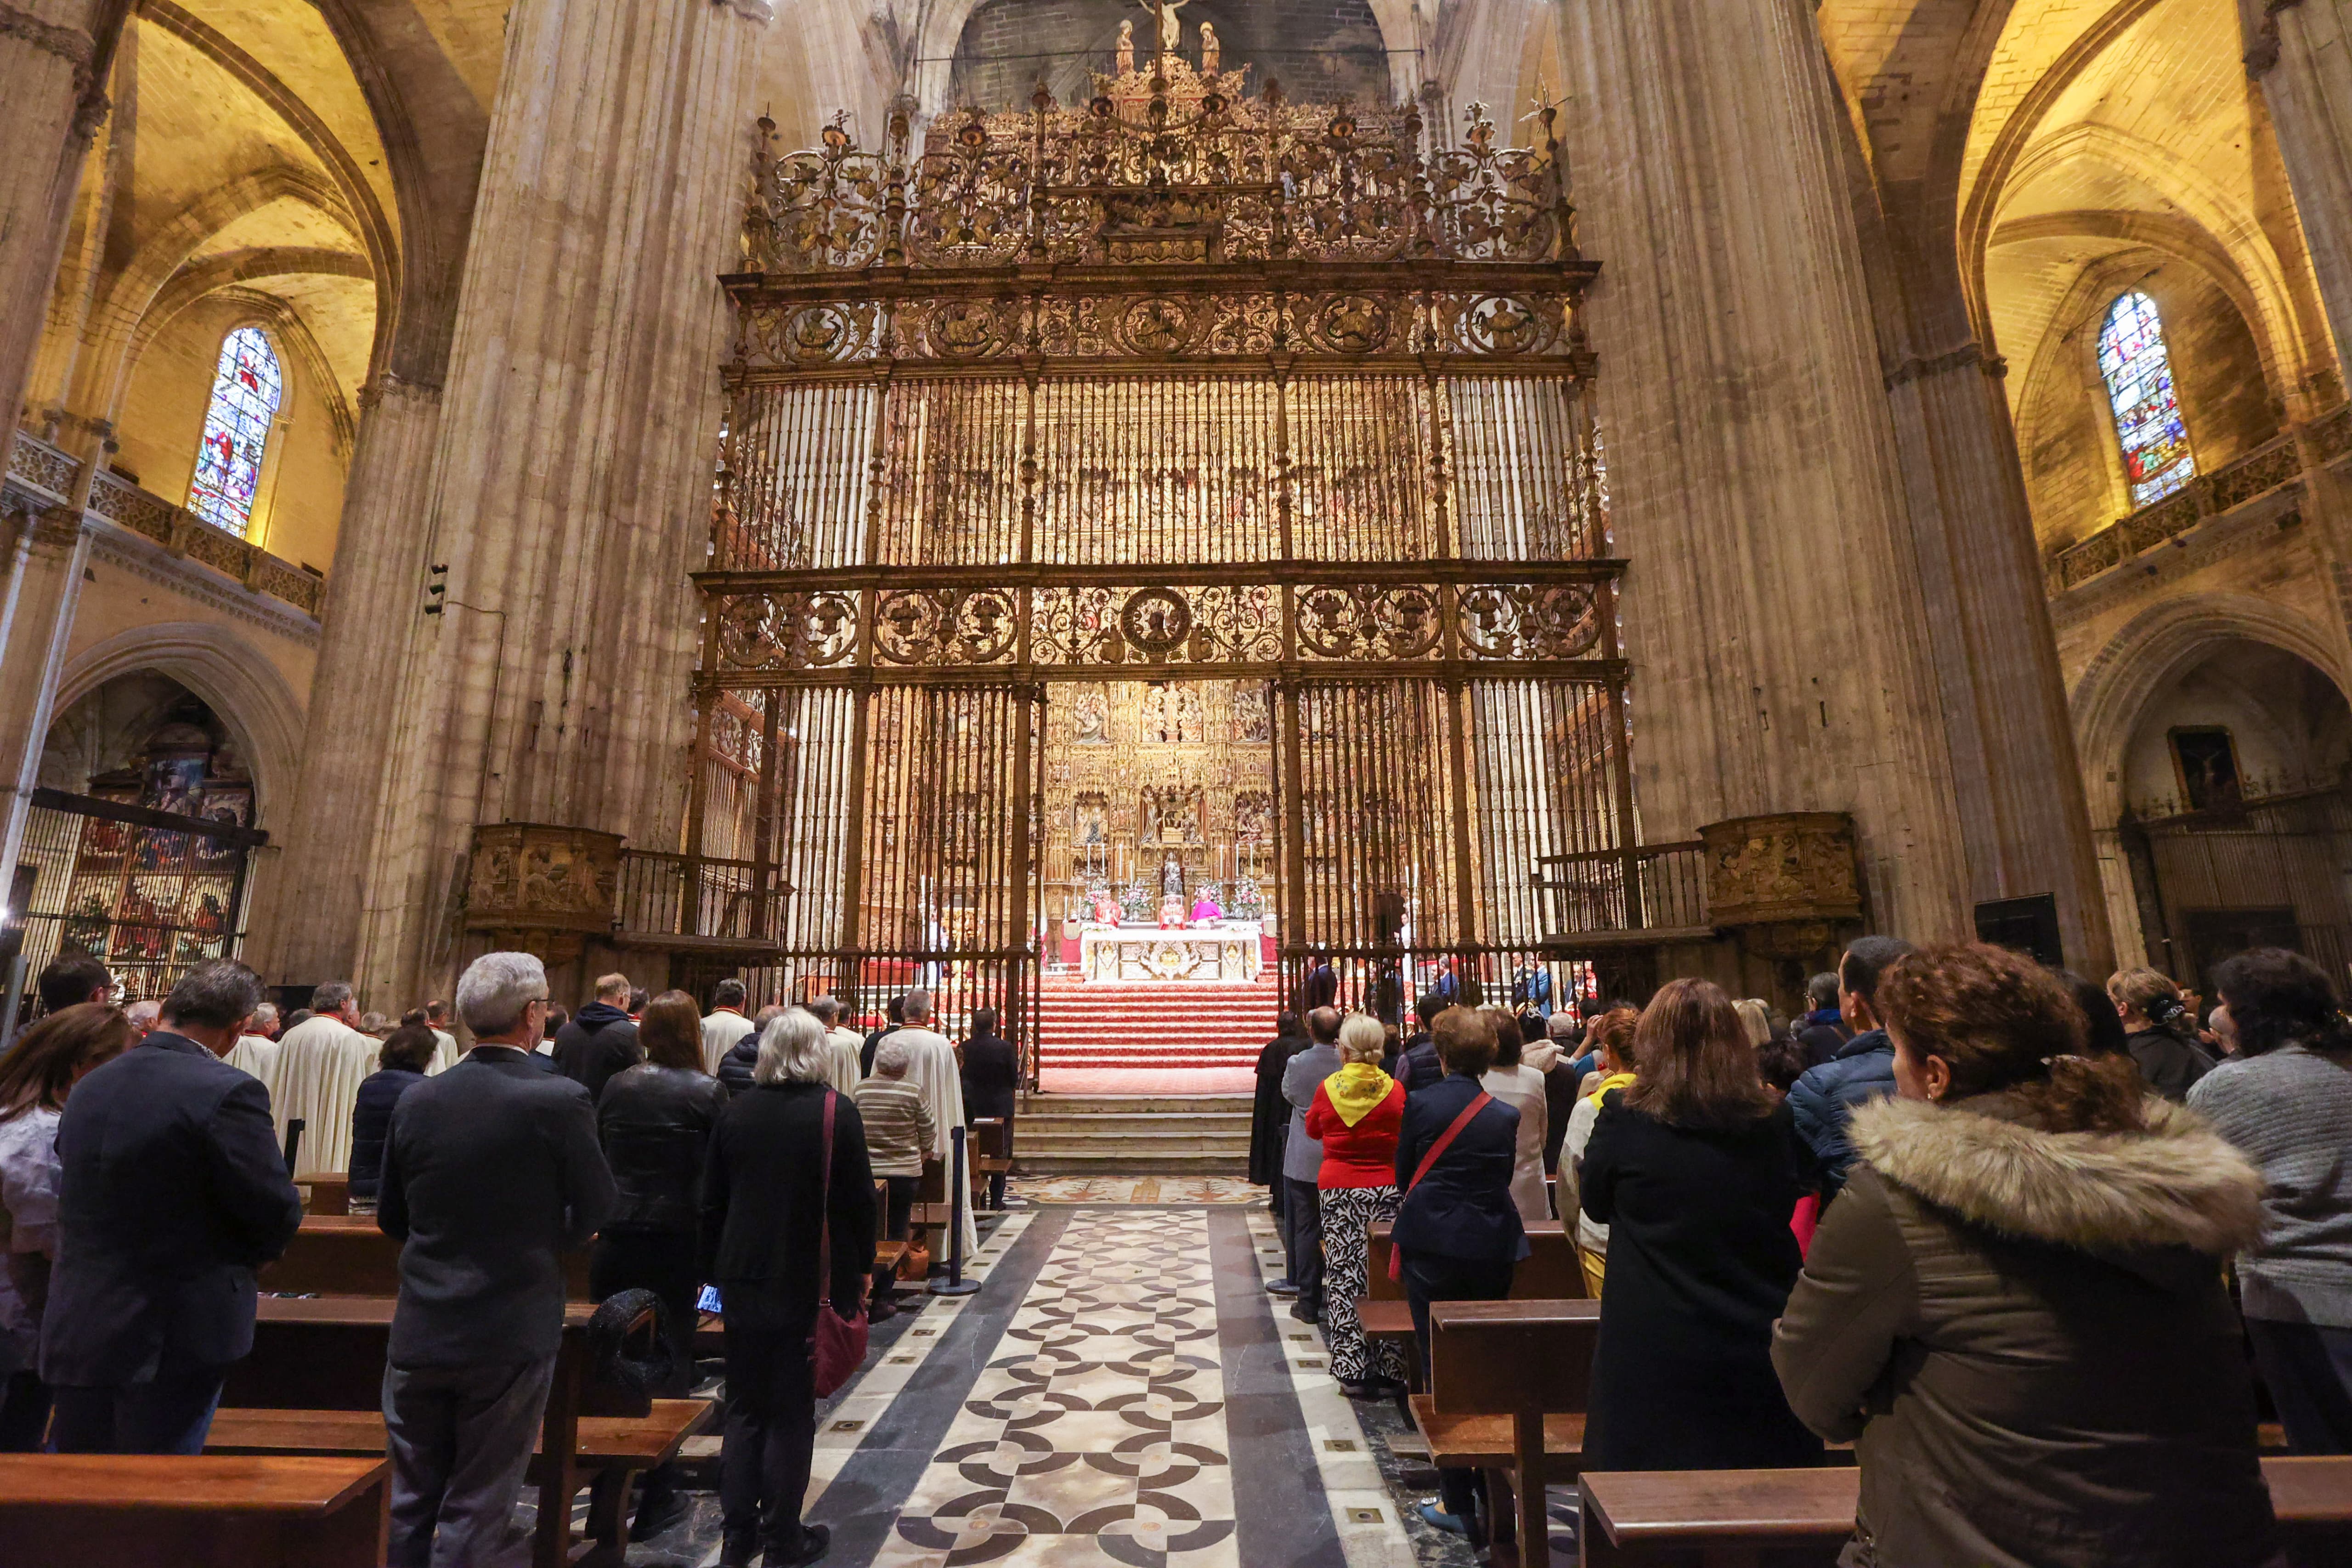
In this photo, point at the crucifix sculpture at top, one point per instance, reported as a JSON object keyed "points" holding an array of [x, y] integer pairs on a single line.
{"points": [[1171, 32]]}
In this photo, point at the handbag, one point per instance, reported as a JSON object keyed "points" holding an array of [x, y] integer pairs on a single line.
{"points": [[1444, 1141], [838, 1345]]}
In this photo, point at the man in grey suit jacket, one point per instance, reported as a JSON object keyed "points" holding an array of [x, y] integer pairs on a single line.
{"points": [[490, 1172], [173, 1190], [1302, 1162]]}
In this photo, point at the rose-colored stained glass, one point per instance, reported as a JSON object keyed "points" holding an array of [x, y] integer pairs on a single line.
{"points": [[2139, 374], [245, 394]]}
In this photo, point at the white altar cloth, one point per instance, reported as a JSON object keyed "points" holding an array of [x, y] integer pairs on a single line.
{"points": [[1227, 949]]}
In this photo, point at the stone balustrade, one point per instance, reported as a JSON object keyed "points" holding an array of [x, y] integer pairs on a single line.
{"points": [[2266, 468], [47, 474]]}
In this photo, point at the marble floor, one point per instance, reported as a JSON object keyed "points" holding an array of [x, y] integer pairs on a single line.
{"points": [[1122, 1390]]}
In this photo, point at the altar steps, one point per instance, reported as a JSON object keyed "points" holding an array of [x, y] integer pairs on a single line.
{"points": [[1145, 1024], [1107, 1134]]}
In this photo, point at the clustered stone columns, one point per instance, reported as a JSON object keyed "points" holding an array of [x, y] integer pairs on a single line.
{"points": [[1773, 604], [54, 56], [571, 476], [2301, 52]]}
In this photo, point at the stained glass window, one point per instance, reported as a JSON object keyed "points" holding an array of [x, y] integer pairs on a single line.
{"points": [[2139, 374], [246, 393]]}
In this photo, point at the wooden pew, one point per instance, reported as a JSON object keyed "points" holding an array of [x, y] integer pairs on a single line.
{"points": [[346, 1255], [1549, 1272], [1734, 1519], [200, 1512], [992, 1153], [1520, 1368], [328, 1192], [322, 1358]]}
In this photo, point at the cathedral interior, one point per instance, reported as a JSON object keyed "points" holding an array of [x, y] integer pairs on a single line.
{"points": [[1547, 484]]}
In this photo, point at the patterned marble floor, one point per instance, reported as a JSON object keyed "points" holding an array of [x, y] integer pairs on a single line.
{"points": [[1137, 1190], [1098, 1432]]}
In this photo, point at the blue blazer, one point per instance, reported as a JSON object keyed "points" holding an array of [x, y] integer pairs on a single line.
{"points": [[174, 1191], [1462, 1209]]}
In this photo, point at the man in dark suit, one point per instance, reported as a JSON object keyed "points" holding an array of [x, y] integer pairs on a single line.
{"points": [[992, 1083], [173, 1190], [896, 1013], [602, 1041], [1322, 988], [490, 1172]]}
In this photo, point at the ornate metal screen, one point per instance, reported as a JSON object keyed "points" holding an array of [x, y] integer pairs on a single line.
{"points": [[1166, 388]]}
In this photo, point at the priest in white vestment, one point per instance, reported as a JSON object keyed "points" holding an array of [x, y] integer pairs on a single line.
{"points": [[934, 1071], [322, 1062], [846, 1047], [258, 1056], [726, 1026], [444, 1044]]}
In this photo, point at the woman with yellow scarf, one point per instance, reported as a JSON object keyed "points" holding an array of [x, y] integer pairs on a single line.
{"points": [[1357, 1113]]}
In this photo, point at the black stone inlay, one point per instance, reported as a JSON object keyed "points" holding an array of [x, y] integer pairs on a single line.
{"points": [[1265, 1432], [864, 1501]]}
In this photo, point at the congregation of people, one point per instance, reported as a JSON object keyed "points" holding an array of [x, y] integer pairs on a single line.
{"points": [[2039, 1251], [149, 1157]]}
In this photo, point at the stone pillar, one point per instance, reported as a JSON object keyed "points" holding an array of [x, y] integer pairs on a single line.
{"points": [[1773, 611], [2018, 782], [46, 554], [2301, 52], [54, 56], [372, 625], [572, 463]]}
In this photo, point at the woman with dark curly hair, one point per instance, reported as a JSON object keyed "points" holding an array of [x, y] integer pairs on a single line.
{"points": [[2015, 1310], [2286, 1098]]}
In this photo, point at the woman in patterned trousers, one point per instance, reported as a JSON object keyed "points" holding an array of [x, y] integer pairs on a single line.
{"points": [[1357, 1114]]}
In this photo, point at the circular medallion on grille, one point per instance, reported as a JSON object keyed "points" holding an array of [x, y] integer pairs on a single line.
{"points": [[1155, 620]]}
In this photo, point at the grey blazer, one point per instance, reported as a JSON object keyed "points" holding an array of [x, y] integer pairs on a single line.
{"points": [[490, 1174], [1302, 1157]]}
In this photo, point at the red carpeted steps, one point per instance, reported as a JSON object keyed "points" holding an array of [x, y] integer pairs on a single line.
{"points": [[1154, 1024]]}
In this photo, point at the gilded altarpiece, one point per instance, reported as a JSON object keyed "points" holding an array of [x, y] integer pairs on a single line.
{"points": [[1174, 477]]}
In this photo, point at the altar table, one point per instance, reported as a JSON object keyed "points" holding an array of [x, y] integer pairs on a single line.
{"points": [[1227, 949]]}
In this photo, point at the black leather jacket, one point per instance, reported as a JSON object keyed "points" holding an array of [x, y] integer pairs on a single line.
{"points": [[654, 1124]]}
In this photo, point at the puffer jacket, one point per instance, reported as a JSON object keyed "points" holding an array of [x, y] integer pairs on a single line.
{"points": [[1822, 1099], [2025, 1333], [735, 1067], [654, 1124], [371, 1121]]}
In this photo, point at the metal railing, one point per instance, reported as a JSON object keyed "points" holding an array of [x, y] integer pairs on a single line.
{"points": [[697, 896], [46, 473], [1602, 896]]}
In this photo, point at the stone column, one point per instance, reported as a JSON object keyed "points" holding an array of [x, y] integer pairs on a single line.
{"points": [[2017, 780], [1773, 612], [573, 462], [54, 56], [46, 554], [2301, 52], [371, 625]]}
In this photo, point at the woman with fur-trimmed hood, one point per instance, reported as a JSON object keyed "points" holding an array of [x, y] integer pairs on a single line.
{"points": [[2015, 1310]]}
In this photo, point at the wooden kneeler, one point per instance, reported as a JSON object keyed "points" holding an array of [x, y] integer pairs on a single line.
{"points": [[1523, 1359]]}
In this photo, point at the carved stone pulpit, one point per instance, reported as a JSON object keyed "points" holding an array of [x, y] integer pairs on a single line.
{"points": [[543, 890], [1785, 883]]}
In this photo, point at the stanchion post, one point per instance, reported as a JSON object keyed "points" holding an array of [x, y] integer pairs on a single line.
{"points": [[14, 1002], [959, 1194], [293, 1141]]}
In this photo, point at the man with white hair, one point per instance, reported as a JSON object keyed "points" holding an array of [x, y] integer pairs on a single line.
{"points": [[321, 1063], [931, 1068], [255, 1051], [491, 1172], [143, 1015]]}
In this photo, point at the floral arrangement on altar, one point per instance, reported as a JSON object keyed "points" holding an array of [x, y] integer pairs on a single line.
{"points": [[1139, 902], [1249, 899]]}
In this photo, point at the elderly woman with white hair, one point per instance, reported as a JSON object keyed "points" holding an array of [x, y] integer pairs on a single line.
{"points": [[771, 1200], [899, 1131]]}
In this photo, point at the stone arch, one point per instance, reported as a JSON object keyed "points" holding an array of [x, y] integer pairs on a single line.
{"points": [[2154, 646], [236, 680]]}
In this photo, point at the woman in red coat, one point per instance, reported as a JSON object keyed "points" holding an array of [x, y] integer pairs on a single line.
{"points": [[1357, 1113]]}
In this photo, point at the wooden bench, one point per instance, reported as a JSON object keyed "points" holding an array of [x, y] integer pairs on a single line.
{"points": [[346, 1255], [1738, 1518], [323, 1356], [1549, 1272], [327, 1192], [1520, 1367], [992, 1152], [193, 1513]]}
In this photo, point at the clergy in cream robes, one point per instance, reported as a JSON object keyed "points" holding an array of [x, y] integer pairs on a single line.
{"points": [[321, 1065], [444, 1052], [847, 1047], [257, 1055], [933, 1070]]}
